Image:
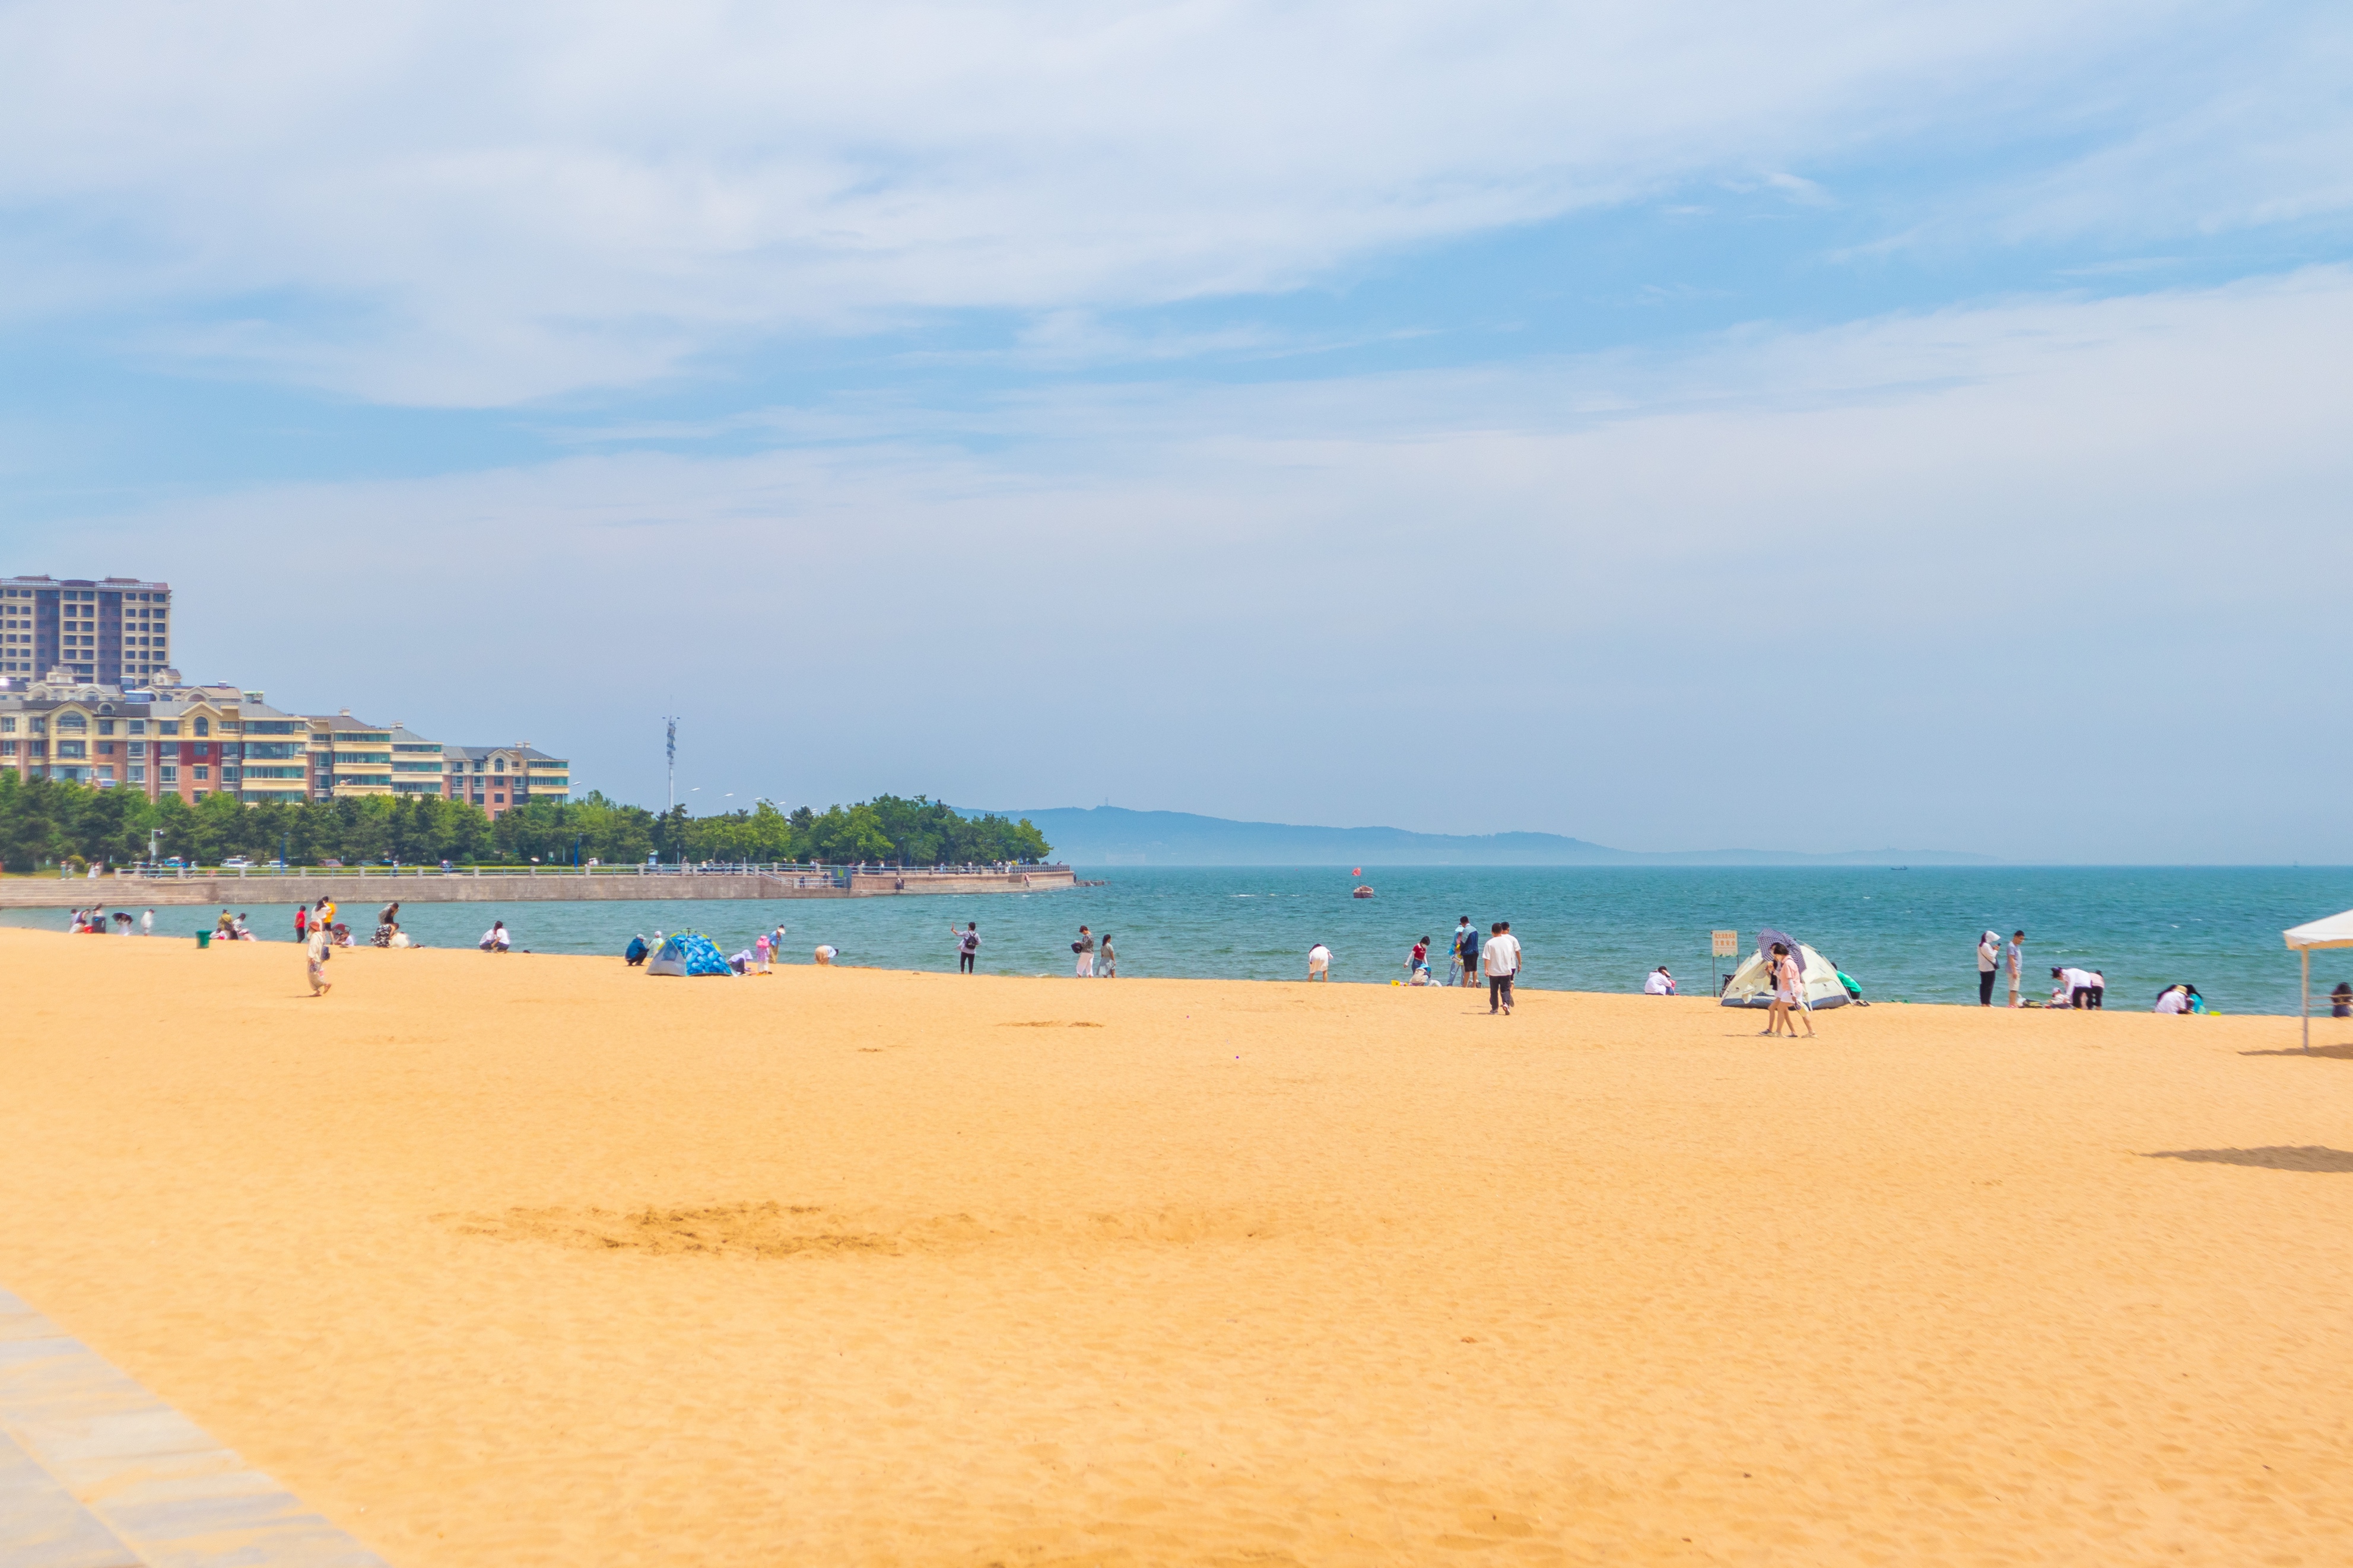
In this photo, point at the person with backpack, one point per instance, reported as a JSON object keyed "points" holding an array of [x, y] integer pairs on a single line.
{"points": [[1464, 967], [967, 943]]}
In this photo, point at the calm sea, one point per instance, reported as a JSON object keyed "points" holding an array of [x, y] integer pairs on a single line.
{"points": [[1903, 935]]}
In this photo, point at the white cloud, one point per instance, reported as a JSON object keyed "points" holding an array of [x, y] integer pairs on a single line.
{"points": [[437, 203], [2051, 579]]}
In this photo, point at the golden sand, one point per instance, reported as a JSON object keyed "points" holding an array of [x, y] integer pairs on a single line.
{"points": [[522, 1260]]}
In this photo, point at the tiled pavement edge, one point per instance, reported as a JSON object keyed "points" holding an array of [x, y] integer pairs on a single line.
{"points": [[95, 1472]]}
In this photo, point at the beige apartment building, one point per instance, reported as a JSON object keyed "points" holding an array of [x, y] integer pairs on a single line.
{"points": [[416, 762], [500, 778]]}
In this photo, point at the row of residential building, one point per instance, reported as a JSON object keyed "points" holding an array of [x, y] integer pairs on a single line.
{"points": [[194, 742], [88, 693]]}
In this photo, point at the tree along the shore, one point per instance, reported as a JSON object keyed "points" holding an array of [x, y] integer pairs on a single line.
{"points": [[43, 822]]}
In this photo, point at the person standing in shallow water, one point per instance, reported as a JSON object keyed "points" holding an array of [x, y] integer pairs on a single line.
{"points": [[967, 945], [1085, 948], [1109, 968], [1464, 965]]}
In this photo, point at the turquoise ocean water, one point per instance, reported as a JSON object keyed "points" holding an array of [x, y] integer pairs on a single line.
{"points": [[1904, 934]]}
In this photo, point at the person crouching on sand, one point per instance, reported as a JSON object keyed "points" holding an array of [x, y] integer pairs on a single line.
{"points": [[1659, 983], [496, 938], [1319, 962]]}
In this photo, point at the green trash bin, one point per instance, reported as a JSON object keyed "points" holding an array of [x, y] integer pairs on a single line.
{"points": [[204, 939]]}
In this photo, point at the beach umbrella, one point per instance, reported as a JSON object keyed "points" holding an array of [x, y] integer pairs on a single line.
{"points": [[1769, 936]]}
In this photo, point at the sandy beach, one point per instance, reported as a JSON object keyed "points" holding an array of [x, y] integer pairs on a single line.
{"points": [[537, 1260]]}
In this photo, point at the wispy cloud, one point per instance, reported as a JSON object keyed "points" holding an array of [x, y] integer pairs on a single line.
{"points": [[451, 205], [1915, 564]]}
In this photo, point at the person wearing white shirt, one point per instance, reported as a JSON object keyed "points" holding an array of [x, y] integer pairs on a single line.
{"points": [[1319, 962], [2083, 986], [2014, 958], [1988, 961], [147, 923], [1659, 983], [1500, 958], [496, 938], [2174, 1000]]}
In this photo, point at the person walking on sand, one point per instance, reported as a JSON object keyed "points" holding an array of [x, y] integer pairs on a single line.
{"points": [[1502, 958], [1319, 962], [1419, 959], [967, 943], [1988, 963], [1463, 967], [1789, 991], [1085, 948], [315, 950], [1110, 967], [147, 924], [760, 953], [2013, 957]]}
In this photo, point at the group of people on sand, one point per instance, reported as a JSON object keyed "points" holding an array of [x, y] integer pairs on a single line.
{"points": [[2072, 986], [1497, 953], [96, 921]]}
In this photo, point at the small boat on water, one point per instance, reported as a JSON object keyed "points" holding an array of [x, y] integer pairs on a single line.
{"points": [[1362, 892]]}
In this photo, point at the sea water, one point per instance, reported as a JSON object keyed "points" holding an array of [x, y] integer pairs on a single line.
{"points": [[1904, 934]]}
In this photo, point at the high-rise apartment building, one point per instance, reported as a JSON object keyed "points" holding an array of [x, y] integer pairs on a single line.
{"points": [[114, 631]]}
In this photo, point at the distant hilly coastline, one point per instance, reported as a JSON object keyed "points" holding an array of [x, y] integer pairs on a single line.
{"points": [[1115, 836]]}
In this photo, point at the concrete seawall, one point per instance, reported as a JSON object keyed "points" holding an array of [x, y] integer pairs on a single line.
{"points": [[352, 890]]}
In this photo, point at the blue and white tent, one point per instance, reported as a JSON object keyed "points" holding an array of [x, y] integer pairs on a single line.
{"points": [[688, 952]]}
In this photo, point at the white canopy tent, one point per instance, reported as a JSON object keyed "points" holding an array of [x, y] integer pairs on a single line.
{"points": [[2336, 931]]}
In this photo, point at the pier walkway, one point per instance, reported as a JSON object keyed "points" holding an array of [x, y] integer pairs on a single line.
{"points": [[96, 1472]]}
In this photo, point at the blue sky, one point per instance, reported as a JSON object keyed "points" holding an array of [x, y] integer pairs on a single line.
{"points": [[1671, 425]]}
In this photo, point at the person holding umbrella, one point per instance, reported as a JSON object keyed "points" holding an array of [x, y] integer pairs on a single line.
{"points": [[1788, 993]]}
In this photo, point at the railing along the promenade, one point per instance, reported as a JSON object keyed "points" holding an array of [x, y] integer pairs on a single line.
{"points": [[838, 874]]}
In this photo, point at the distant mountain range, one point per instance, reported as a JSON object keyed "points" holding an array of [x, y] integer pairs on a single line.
{"points": [[1113, 836]]}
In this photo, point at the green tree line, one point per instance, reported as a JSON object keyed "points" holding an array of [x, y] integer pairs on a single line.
{"points": [[45, 822]]}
